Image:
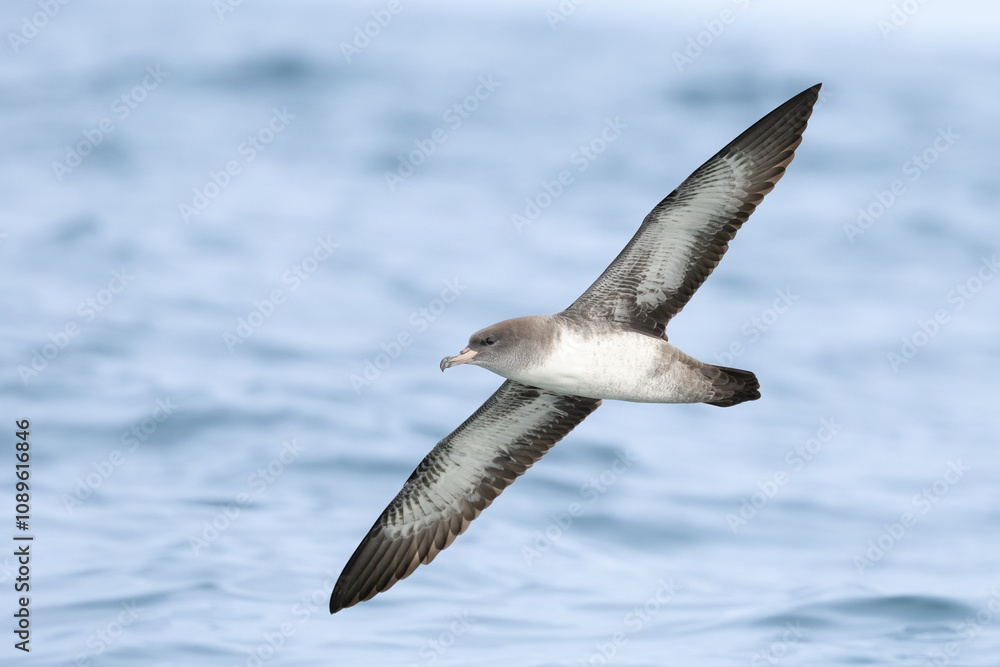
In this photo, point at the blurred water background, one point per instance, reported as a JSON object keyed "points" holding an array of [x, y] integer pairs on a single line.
{"points": [[237, 237]]}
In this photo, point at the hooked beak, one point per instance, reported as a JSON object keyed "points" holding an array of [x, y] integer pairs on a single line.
{"points": [[463, 357]]}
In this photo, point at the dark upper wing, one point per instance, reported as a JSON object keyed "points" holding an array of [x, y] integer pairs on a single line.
{"points": [[682, 240], [455, 482]]}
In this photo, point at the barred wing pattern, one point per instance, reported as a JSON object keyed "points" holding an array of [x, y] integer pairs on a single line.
{"points": [[455, 482], [683, 238]]}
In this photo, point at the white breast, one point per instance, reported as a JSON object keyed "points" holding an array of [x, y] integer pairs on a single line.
{"points": [[617, 364]]}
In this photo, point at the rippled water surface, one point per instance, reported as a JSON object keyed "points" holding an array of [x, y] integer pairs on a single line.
{"points": [[235, 245]]}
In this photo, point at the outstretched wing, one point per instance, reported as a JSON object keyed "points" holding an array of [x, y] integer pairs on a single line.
{"points": [[455, 482], [682, 240]]}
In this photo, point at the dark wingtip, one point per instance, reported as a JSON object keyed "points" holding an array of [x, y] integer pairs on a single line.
{"points": [[339, 597], [811, 90], [734, 386], [811, 93]]}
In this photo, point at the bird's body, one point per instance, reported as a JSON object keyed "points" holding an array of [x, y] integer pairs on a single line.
{"points": [[606, 360], [608, 344]]}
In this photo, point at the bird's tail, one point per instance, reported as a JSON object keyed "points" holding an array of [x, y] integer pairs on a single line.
{"points": [[731, 385]]}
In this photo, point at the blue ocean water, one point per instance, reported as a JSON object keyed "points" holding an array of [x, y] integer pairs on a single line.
{"points": [[236, 239]]}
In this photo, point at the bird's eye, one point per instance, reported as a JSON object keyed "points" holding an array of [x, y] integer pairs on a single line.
{"points": [[489, 340]]}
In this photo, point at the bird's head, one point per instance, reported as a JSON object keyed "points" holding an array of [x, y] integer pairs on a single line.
{"points": [[502, 347]]}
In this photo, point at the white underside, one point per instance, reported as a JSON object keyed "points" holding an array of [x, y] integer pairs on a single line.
{"points": [[621, 365]]}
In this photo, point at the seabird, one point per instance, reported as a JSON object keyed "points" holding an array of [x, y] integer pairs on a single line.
{"points": [[609, 344]]}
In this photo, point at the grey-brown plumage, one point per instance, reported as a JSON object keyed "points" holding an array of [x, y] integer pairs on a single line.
{"points": [[609, 344], [455, 482], [683, 238], [731, 386]]}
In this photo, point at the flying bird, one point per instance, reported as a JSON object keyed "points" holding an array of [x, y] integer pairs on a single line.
{"points": [[609, 344]]}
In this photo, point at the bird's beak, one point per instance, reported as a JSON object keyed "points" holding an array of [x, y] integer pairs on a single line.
{"points": [[463, 357]]}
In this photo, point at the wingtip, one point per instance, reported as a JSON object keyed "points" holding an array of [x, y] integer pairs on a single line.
{"points": [[339, 597], [810, 92], [807, 97], [336, 603]]}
